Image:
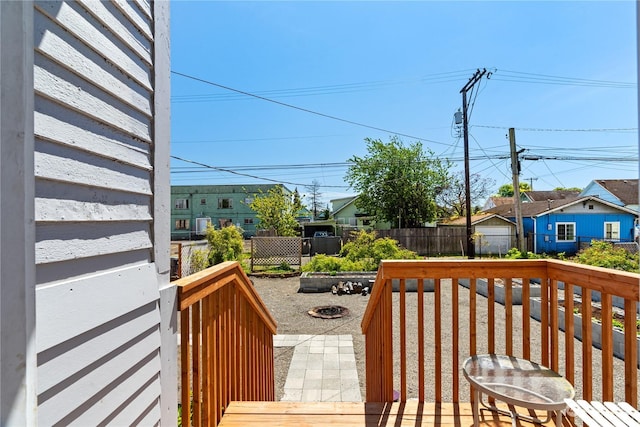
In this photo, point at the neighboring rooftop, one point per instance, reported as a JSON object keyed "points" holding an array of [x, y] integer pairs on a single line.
{"points": [[475, 218], [624, 189], [531, 208], [543, 196], [494, 201]]}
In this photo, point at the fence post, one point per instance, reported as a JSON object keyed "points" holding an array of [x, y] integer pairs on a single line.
{"points": [[179, 273]]}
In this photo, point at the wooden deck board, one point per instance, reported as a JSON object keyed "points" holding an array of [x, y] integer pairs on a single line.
{"points": [[312, 414]]}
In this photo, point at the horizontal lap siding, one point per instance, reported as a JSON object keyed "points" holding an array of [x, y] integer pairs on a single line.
{"points": [[93, 129], [98, 335]]}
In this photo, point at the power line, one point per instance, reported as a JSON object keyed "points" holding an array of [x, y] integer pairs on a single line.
{"points": [[561, 130], [525, 77], [204, 165], [537, 75], [188, 169], [487, 156], [342, 165], [306, 110], [590, 158], [434, 78], [206, 141]]}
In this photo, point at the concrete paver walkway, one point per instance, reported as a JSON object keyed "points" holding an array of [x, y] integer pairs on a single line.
{"points": [[323, 368]]}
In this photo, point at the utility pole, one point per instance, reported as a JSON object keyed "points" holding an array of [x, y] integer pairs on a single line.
{"points": [[515, 172], [531, 182], [471, 252]]}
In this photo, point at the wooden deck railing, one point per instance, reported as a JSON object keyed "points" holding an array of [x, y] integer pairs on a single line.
{"points": [[226, 343], [416, 342]]}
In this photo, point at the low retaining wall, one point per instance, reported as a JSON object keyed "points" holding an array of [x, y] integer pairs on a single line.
{"points": [[596, 329], [322, 282], [482, 288]]}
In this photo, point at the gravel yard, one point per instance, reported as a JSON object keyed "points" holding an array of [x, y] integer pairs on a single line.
{"points": [[290, 308]]}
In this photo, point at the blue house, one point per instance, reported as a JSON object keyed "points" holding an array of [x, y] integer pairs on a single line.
{"points": [[567, 225]]}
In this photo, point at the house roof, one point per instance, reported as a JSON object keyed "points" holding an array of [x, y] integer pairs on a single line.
{"points": [[498, 201], [536, 209], [543, 196], [624, 189], [346, 201], [477, 219]]}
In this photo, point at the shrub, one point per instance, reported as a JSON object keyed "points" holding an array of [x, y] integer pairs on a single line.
{"points": [[370, 250], [514, 253], [225, 244], [362, 254], [199, 260], [284, 266], [322, 262], [605, 254]]}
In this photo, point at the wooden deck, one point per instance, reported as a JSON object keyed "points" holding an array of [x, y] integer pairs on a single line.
{"points": [[312, 414]]}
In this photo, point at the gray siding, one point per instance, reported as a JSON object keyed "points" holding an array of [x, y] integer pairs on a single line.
{"points": [[98, 316], [17, 234]]}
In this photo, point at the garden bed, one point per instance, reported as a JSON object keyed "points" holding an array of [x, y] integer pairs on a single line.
{"points": [[596, 326], [322, 282], [596, 313]]}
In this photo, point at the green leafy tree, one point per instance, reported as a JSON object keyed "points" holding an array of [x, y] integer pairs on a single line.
{"points": [[398, 183], [324, 213], [506, 190], [276, 211], [225, 244], [297, 201], [567, 189]]}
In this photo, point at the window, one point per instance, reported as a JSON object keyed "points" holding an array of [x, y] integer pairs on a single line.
{"points": [[225, 203], [182, 224], [566, 232], [612, 230], [182, 203], [248, 221], [203, 201], [248, 200]]}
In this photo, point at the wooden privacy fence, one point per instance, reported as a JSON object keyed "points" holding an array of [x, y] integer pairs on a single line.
{"points": [[460, 324], [430, 241], [226, 343]]}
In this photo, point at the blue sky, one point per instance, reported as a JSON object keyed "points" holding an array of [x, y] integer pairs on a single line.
{"points": [[564, 76]]}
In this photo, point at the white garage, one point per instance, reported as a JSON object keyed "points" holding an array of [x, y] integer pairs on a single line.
{"points": [[493, 239]]}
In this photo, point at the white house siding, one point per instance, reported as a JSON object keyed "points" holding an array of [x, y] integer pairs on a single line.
{"points": [[98, 196]]}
